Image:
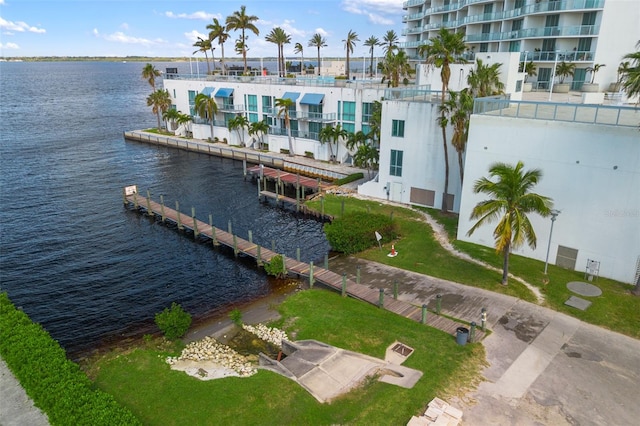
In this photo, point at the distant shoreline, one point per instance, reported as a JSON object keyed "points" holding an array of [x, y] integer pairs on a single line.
{"points": [[136, 59]]}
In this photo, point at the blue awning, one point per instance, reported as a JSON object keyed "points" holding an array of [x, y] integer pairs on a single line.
{"points": [[208, 91], [291, 95], [224, 93], [312, 99]]}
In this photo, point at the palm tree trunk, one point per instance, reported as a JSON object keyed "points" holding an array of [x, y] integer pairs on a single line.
{"points": [[302, 64], [446, 168], [212, 138], [222, 60], [505, 264], [158, 116], [291, 153], [244, 51], [371, 64], [318, 61], [461, 167], [347, 70]]}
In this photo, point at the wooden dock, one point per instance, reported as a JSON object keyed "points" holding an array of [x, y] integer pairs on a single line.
{"points": [[315, 274], [287, 178]]}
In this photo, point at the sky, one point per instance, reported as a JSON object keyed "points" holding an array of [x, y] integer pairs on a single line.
{"points": [[169, 28]]}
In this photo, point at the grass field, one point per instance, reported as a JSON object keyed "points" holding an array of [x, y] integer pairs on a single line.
{"points": [[143, 382]]}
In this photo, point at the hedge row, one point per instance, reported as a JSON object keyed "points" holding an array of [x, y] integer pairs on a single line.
{"points": [[348, 179], [55, 384]]}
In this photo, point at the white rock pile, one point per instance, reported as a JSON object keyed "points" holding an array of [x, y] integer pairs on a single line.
{"points": [[268, 334], [209, 349]]}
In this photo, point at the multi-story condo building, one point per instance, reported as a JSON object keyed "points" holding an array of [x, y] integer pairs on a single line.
{"points": [[584, 32]]}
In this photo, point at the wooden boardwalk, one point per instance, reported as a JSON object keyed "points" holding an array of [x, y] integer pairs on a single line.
{"points": [[288, 178], [316, 275]]}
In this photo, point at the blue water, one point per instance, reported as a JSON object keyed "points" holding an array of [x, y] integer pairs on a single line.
{"points": [[72, 257]]}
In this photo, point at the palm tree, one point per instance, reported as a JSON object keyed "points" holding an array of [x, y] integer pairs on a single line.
{"points": [[279, 37], [332, 135], [149, 73], [258, 129], [564, 70], [443, 50], [355, 140], [284, 105], [184, 119], [171, 116], [460, 107], [203, 45], [239, 20], [349, 44], [394, 66], [159, 101], [390, 41], [510, 202], [239, 123], [485, 80], [371, 43], [366, 156], [299, 49], [218, 32], [631, 79], [206, 108], [375, 122], [318, 41], [594, 70], [530, 70]]}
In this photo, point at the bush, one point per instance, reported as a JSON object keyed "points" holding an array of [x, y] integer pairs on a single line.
{"points": [[173, 322], [236, 316], [275, 267], [284, 151], [56, 385], [351, 178], [308, 154], [356, 231]]}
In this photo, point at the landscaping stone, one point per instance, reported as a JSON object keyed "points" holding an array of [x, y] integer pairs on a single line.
{"points": [[578, 303]]}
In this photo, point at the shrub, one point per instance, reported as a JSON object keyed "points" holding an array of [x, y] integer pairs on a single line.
{"points": [[308, 154], [351, 178], [56, 385], [284, 151], [236, 316], [275, 267], [356, 231], [173, 322]]}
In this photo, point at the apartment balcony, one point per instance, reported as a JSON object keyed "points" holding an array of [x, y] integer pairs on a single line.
{"points": [[412, 17], [571, 31], [305, 115], [413, 30], [278, 131], [410, 3], [412, 44], [231, 108], [567, 56], [566, 5]]}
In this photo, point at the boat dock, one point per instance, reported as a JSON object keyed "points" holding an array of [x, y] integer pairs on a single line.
{"points": [[314, 274]]}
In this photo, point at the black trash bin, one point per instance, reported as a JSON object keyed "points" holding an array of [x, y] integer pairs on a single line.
{"points": [[462, 335]]}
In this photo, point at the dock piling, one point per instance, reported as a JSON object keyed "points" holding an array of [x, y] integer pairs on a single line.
{"points": [[195, 222], [149, 211], [164, 216], [178, 215], [311, 274]]}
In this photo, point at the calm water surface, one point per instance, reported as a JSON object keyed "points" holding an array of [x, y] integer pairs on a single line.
{"points": [[72, 257]]}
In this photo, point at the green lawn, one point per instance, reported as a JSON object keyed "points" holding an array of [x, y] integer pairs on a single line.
{"points": [[157, 395], [616, 309]]}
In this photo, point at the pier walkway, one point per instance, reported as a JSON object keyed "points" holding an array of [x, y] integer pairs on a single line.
{"points": [[315, 274]]}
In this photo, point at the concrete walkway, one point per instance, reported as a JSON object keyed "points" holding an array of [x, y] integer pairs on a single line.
{"points": [[16, 408], [545, 367]]}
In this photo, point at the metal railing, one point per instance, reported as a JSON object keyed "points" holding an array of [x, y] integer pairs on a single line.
{"points": [[566, 55], [551, 111], [305, 134], [576, 30], [302, 115], [315, 81]]}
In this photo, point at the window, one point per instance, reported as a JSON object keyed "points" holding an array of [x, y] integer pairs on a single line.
{"points": [[314, 130], [348, 111], [514, 46], [518, 4], [252, 103], [484, 47], [315, 112], [349, 127], [192, 102], [552, 21], [396, 163], [486, 28], [266, 104], [397, 128], [253, 118], [517, 25], [549, 45], [366, 129], [584, 45], [589, 18], [488, 8], [367, 111], [519, 86]]}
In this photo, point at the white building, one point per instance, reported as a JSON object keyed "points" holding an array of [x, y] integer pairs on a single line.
{"points": [[590, 159], [584, 32]]}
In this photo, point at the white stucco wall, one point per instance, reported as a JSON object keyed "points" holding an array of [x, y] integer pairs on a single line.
{"points": [[592, 172]]}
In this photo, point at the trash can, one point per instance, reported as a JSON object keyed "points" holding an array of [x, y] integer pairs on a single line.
{"points": [[462, 335]]}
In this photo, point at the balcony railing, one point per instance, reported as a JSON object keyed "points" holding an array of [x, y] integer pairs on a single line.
{"points": [[567, 56], [304, 115], [231, 108], [577, 30], [279, 131], [410, 3], [576, 113]]}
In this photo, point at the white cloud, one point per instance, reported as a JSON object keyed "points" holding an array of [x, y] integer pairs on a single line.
{"points": [[20, 27], [9, 46], [199, 15], [193, 35], [2, 2], [120, 37], [375, 10], [321, 31]]}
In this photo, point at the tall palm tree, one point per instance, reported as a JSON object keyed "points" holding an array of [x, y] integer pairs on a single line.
{"points": [[318, 41], [371, 43], [218, 32], [631, 79], [171, 116], [510, 201], [184, 119], [299, 49], [284, 105], [459, 108], [279, 37], [160, 102], [206, 108], [258, 129], [444, 49], [349, 44], [390, 41], [240, 21], [355, 140], [203, 45], [375, 122], [484, 80], [149, 73], [332, 135]]}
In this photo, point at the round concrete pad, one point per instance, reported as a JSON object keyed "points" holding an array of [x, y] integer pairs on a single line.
{"points": [[584, 289]]}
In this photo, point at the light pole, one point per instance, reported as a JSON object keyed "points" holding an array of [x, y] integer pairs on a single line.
{"points": [[553, 76], [554, 215]]}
